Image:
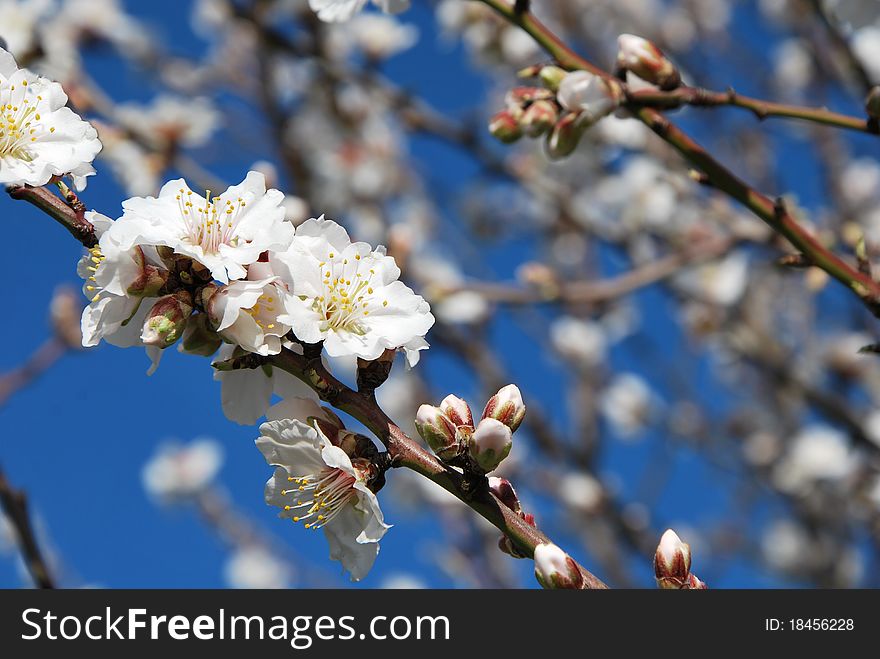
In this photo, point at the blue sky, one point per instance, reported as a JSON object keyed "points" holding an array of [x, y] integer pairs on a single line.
{"points": [[77, 439]]}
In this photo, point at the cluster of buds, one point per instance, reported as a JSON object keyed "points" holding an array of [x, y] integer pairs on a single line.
{"points": [[450, 431], [672, 564], [505, 493], [556, 569], [645, 60], [561, 110]]}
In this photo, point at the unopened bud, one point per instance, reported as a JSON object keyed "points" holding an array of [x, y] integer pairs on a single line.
{"points": [[438, 431], [552, 76], [505, 127], [694, 583], [520, 96], [539, 118], [167, 320], [872, 103], [507, 407], [489, 444], [150, 279], [672, 561], [647, 61], [502, 489], [566, 135], [199, 338], [556, 569], [457, 411]]}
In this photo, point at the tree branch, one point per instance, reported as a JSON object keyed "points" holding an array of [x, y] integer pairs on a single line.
{"points": [[405, 452], [56, 208], [14, 504]]}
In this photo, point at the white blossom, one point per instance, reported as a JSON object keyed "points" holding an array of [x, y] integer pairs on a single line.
{"points": [[317, 483], [224, 233], [40, 137], [109, 271], [348, 295], [182, 470], [253, 567], [342, 10], [171, 120]]}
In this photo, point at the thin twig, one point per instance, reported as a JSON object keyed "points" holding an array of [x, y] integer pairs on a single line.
{"points": [[15, 505]]}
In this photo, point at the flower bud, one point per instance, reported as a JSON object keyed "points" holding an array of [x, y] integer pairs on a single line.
{"points": [[694, 583], [507, 407], [566, 135], [505, 127], [552, 76], [490, 444], [150, 280], [539, 118], [672, 561], [590, 95], [872, 103], [457, 411], [437, 431], [520, 96], [502, 489], [167, 320], [647, 61], [199, 338], [556, 569]]}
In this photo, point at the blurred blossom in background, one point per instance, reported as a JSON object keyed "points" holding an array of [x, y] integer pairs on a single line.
{"points": [[674, 375]]}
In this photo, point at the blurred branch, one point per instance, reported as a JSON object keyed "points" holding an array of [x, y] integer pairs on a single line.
{"points": [[40, 361], [704, 98], [774, 213], [15, 505]]}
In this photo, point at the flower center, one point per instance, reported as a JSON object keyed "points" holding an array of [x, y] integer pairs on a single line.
{"points": [[320, 496], [264, 312], [212, 223], [349, 295], [20, 121]]}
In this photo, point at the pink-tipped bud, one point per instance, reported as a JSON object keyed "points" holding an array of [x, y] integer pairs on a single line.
{"points": [[505, 127], [457, 411], [502, 489], [647, 61], [149, 283], [167, 320], [556, 569], [520, 96], [566, 135], [507, 407], [694, 583], [489, 444], [672, 561], [539, 118], [437, 431]]}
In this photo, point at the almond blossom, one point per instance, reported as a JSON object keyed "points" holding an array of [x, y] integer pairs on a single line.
{"points": [[122, 286], [319, 484], [224, 233], [348, 295], [342, 10], [40, 137]]}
